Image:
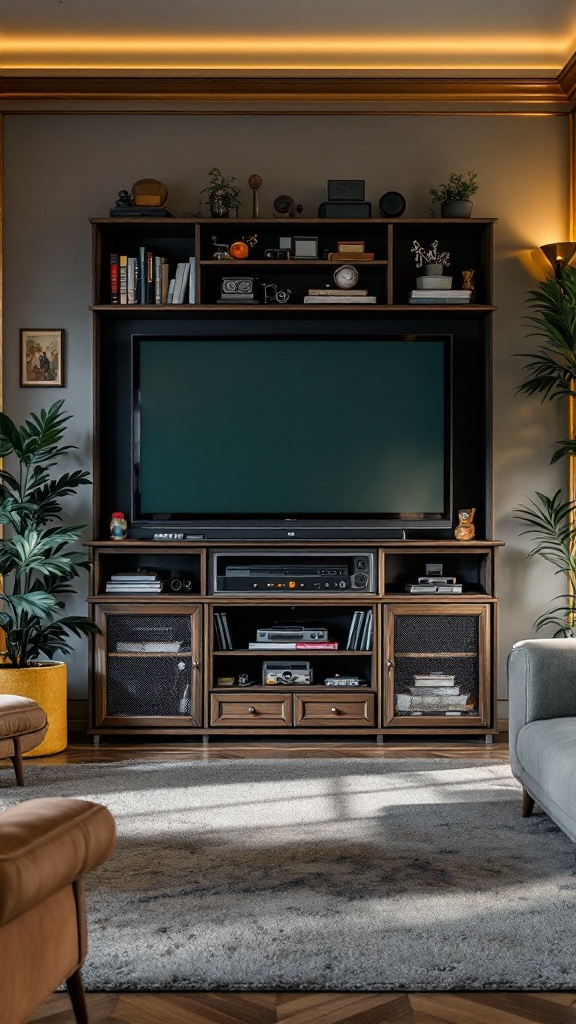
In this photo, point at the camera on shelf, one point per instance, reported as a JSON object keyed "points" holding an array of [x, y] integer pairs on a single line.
{"points": [[277, 254]]}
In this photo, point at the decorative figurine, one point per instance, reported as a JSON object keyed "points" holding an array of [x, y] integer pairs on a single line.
{"points": [[124, 198], [222, 250], [272, 293], [468, 280], [465, 529], [255, 182], [118, 526]]}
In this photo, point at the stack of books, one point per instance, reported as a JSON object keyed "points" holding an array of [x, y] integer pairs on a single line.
{"points": [[439, 296], [138, 582], [339, 296], [293, 645], [434, 693]]}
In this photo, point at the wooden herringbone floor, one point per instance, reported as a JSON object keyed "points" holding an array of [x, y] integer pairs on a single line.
{"points": [[305, 1008]]}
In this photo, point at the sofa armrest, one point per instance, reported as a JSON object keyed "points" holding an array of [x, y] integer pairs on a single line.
{"points": [[46, 845], [541, 683]]}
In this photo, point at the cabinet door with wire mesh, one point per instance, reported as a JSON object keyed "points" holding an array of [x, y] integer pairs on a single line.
{"points": [[148, 666], [437, 666]]}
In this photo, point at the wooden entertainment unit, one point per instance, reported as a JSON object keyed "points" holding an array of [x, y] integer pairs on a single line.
{"points": [[156, 667]]}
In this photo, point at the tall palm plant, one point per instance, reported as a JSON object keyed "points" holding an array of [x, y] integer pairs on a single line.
{"points": [[551, 373], [37, 564]]}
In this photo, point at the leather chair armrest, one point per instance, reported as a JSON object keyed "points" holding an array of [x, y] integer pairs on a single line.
{"points": [[47, 844]]}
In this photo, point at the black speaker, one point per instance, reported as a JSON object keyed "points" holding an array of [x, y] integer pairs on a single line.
{"points": [[181, 584], [391, 204]]}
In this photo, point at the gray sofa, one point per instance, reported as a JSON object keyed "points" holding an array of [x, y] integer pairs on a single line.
{"points": [[542, 695]]}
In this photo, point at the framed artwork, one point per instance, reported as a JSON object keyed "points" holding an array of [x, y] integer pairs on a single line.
{"points": [[41, 359]]}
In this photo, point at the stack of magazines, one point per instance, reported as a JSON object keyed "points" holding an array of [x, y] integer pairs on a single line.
{"points": [[139, 582]]}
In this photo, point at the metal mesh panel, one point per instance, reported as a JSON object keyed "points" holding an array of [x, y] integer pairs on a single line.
{"points": [[146, 632], [436, 634], [149, 686]]}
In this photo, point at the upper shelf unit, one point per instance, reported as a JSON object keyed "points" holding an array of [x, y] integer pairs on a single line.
{"points": [[287, 261]]}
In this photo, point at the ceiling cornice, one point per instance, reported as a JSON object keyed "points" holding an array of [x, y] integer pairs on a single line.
{"points": [[567, 80], [313, 93]]}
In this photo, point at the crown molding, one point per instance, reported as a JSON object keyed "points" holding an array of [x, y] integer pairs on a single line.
{"points": [[246, 93], [567, 81]]}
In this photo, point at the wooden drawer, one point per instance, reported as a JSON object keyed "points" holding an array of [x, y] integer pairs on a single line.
{"points": [[339, 709], [261, 711]]}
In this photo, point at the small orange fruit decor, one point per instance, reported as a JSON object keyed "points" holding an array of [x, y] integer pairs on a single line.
{"points": [[239, 250]]}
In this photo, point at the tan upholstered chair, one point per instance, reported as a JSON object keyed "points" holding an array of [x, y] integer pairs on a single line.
{"points": [[46, 846], [22, 727]]}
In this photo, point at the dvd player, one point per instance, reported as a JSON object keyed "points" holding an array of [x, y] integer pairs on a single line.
{"points": [[294, 571]]}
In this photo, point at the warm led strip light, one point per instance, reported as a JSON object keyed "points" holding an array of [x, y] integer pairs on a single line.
{"points": [[293, 52]]}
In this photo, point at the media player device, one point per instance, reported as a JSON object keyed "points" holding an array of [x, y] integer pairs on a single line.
{"points": [[291, 673], [260, 573]]}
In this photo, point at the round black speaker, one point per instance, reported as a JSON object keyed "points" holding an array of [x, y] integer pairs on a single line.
{"points": [[391, 204]]}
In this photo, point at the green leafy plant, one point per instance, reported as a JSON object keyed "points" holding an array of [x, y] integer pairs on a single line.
{"points": [[222, 192], [36, 563], [551, 522], [551, 373], [458, 186]]}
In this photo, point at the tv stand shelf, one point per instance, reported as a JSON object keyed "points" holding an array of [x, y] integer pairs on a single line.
{"points": [[180, 692], [156, 666]]}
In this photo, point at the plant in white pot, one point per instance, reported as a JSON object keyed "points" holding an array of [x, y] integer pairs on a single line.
{"points": [[431, 261], [38, 566], [455, 195]]}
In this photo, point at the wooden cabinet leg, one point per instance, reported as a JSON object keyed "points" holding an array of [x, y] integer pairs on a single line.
{"points": [[527, 803], [75, 988]]}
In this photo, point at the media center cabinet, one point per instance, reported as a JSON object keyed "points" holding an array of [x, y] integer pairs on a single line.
{"points": [[159, 664]]}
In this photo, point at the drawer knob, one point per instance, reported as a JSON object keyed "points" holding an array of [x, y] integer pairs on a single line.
{"points": [[196, 664], [334, 711], [251, 711]]}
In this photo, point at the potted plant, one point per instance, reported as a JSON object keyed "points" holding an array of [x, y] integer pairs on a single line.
{"points": [[454, 196], [552, 374], [37, 566], [430, 260], [223, 195]]}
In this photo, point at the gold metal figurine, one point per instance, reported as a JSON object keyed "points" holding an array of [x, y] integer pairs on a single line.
{"points": [[465, 529]]}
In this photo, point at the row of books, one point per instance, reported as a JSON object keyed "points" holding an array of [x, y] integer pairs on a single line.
{"points": [[222, 632], [293, 645], [361, 631], [145, 280]]}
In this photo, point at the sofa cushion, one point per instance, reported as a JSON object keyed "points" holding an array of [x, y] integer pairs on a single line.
{"points": [[547, 751], [20, 715]]}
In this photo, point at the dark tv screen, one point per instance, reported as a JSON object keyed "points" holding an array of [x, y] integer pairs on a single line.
{"points": [[303, 428]]}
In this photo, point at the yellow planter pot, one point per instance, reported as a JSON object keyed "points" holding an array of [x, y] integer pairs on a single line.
{"points": [[46, 683]]}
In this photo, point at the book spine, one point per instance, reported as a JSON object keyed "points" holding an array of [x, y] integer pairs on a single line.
{"points": [[131, 280], [149, 278], [192, 281], [114, 278], [142, 275], [123, 279]]}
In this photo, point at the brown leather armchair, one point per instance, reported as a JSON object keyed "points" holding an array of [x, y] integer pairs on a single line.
{"points": [[46, 847]]}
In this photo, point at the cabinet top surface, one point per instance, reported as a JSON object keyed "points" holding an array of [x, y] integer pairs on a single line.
{"points": [[283, 545], [292, 222]]}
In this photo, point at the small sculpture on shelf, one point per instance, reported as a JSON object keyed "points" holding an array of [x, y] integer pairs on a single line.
{"points": [[222, 250], [272, 293], [255, 182], [124, 198], [465, 529]]}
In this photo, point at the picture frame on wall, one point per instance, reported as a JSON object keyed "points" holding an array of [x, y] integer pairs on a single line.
{"points": [[41, 358]]}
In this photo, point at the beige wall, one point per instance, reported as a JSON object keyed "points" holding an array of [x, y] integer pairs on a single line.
{"points": [[62, 169]]}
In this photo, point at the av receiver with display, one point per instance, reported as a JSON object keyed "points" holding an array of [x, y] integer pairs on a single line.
{"points": [[306, 572]]}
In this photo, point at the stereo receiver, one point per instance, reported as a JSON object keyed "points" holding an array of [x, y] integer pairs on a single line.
{"points": [[291, 673], [320, 571]]}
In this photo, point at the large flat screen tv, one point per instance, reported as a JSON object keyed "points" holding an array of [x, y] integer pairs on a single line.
{"points": [[304, 436]]}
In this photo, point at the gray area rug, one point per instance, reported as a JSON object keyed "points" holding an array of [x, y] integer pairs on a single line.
{"points": [[321, 874]]}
